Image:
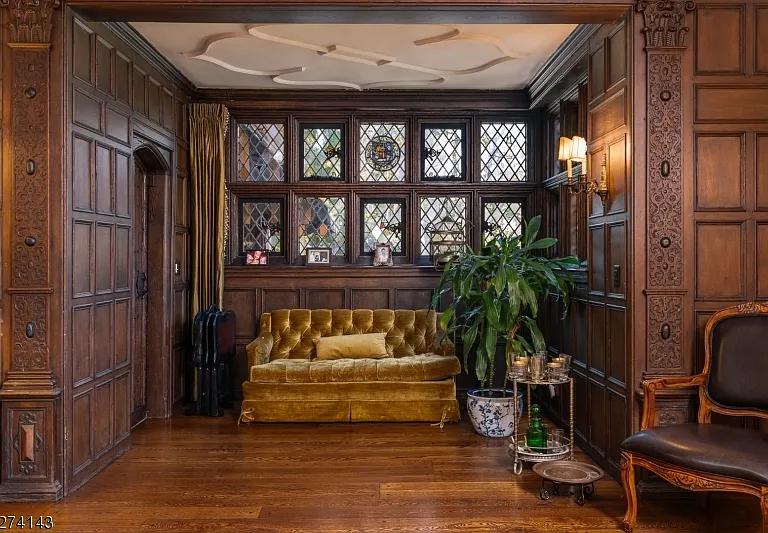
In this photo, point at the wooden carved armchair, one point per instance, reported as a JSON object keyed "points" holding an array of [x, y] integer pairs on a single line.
{"points": [[704, 456]]}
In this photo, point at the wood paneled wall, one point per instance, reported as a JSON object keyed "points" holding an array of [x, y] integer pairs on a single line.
{"points": [[714, 152], [595, 329], [118, 103]]}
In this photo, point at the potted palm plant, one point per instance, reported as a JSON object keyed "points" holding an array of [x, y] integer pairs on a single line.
{"points": [[496, 295]]}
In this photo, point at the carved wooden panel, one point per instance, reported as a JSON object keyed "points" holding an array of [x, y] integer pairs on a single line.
{"points": [[761, 38], [597, 337], [82, 443], [118, 126], [731, 104], [28, 427], [370, 299], [597, 259], [104, 340], [122, 332], [82, 52], [104, 179], [326, 299], [597, 72], [617, 55], [104, 66], [123, 87], [82, 243], [598, 421], [617, 259], [761, 172], [86, 111], [139, 95], [413, 298], [104, 248], [665, 334], [82, 344], [102, 418], [609, 115], [617, 425], [720, 261], [720, 42], [617, 168], [617, 356], [82, 170], [122, 417], [123, 258], [582, 330], [665, 191], [720, 171], [154, 99], [280, 299], [761, 260]]}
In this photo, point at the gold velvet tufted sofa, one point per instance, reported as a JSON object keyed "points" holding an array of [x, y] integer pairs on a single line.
{"points": [[413, 383]]}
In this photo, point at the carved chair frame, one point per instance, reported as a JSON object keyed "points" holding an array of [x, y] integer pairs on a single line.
{"points": [[681, 477]]}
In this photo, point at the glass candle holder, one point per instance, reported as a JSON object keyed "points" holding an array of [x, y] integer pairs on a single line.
{"points": [[538, 368], [554, 371], [517, 369]]}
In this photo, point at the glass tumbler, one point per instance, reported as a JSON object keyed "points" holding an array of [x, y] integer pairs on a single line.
{"points": [[538, 366]]}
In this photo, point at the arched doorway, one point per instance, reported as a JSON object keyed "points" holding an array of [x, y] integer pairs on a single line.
{"points": [[151, 362]]}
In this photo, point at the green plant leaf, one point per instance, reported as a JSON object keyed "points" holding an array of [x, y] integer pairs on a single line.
{"points": [[446, 317], [541, 244], [532, 229]]}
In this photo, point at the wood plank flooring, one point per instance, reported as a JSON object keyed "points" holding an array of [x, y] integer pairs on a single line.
{"points": [[200, 474]]}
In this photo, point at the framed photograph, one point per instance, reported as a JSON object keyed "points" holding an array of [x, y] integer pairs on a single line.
{"points": [[256, 257], [318, 257], [382, 254]]}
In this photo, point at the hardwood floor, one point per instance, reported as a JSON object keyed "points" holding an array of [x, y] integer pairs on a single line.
{"points": [[201, 474]]}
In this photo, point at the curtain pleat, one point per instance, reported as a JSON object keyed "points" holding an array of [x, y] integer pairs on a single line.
{"points": [[208, 125]]}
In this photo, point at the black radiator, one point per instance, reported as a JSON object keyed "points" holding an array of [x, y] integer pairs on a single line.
{"points": [[212, 357]]}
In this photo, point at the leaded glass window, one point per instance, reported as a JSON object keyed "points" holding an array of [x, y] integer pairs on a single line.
{"points": [[382, 152], [261, 152], [323, 224], [436, 209], [383, 221], [503, 151], [261, 225], [501, 218], [443, 152], [323, 152]]}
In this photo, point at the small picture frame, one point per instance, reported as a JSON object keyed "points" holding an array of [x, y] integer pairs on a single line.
{"points": [[318, 257], [382, 254], [256, 257]]}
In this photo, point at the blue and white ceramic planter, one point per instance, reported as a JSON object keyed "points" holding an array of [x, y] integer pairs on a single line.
{"points": [[493, 417]]}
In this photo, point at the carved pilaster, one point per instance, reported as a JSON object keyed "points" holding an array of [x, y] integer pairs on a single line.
{"points": [[664, 29], [29, 395]]}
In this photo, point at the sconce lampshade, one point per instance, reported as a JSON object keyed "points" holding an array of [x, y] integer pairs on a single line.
{"points": [[579, 149], [564, 153]]}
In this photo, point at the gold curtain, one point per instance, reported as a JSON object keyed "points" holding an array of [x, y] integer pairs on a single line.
{"points": [[208, 125]]}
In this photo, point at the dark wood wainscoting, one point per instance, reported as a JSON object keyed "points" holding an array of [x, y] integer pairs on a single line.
{"points": [[252, 290], [120, 106]]}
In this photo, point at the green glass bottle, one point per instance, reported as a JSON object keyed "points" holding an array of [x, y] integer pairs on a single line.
{"points": [[536, 436]]}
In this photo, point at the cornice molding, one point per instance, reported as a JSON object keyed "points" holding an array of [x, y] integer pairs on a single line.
{"points": [[141, 46], [242, 101], [560, 65]]}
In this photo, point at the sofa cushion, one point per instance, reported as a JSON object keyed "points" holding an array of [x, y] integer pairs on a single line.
{"points": [[363, 346], [424, 367], [295, 330], [709, 448]]}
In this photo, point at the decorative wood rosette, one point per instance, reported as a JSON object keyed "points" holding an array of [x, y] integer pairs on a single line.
{"points": [[664, 28]]}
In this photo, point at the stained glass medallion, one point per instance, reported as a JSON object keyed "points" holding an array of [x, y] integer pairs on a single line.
{"points": [[323, 154], [323, 224], [383, 221], [261, 225], [444, 153], [382, 152], [501, 218], [503, 151]]}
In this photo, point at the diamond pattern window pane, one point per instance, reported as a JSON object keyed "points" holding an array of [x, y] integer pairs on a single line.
{"points": [[322, 153], [437, 208], [383, 222], [443, 153], [502, 152], [261, 225], [382, 152], [323, 224], [261, 152], [501, 218]]}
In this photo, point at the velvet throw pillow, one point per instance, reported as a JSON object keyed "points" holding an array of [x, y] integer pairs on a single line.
{"points": [[363, 346]]}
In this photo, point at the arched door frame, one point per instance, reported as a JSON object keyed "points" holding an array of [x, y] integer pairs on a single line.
{"points": [[156, 160]]}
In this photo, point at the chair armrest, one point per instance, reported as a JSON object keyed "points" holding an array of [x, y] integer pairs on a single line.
{"points": [[259, 350], [650, 386]]}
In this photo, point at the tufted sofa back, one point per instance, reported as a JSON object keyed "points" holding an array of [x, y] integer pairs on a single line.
{"points": [[294, 330]]}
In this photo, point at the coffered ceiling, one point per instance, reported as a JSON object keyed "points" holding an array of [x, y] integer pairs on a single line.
{"points": [[328, 56]]}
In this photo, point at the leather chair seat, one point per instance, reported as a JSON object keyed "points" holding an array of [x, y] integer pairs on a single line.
{"points": [[422, 367], [709, 448]]}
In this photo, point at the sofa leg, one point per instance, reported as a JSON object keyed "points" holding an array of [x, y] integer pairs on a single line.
{"points": [[630, 491], [764, 508]]}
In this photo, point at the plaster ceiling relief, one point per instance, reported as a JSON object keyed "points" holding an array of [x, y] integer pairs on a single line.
{"points": [[356, 57]]}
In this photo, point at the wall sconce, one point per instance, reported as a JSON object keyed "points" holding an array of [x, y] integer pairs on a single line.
{"points": [[575, 150]]}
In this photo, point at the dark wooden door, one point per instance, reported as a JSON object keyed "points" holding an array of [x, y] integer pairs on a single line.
{"points": [[139, 362]]}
